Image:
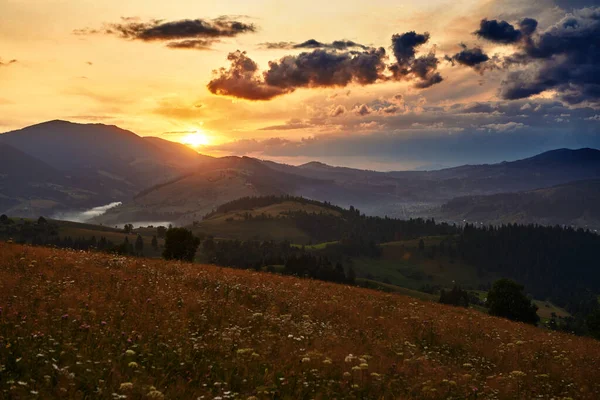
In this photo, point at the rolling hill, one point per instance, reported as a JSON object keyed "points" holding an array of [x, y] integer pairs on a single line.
{"points": [[76, 322], [573, 204], [271, 221], [191, 196]]}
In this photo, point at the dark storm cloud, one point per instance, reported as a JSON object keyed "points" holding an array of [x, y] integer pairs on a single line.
{"points": [[569, 5], [314, 44], [187, 33], [564, 58], [408, 66], [469, 57], [242, 80], [319, 68], [528, 26], [193, 44], [498, 31]]}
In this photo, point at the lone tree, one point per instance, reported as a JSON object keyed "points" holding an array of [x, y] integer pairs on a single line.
{"points": [[154, 243], [139, 245], [455, 297], [161, 231], [507, 299], [3, 219], [180, 244], [128, 228]]}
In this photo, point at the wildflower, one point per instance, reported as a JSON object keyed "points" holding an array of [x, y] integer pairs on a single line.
{"points": [[364, 366], [130, 353], [327, 361], [155, 394], [126, 386], [305, 360], [467, 365], [132, 364], [347, 374], [518, 374]]}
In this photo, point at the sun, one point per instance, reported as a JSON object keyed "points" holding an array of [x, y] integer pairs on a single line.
{"points": [[196, 139]]}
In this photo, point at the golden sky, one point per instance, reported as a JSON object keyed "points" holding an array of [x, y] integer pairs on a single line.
{"points": [[153, 90]]}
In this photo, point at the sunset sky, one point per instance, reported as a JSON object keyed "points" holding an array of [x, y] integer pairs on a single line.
{"points": [[524, 81]]}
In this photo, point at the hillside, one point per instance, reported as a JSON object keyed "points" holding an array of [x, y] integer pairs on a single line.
{"points": [[263, 222], [574, 204], [219, 181], [111, 163], [150, 329], [29, 186]]}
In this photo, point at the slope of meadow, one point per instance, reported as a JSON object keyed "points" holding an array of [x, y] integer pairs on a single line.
{"points": [[89, 325]]}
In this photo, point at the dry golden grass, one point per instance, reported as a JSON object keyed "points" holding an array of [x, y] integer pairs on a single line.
{"points": [[88, 325]]}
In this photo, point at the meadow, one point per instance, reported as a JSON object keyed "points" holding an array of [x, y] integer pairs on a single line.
{"points": [[90, 325]]}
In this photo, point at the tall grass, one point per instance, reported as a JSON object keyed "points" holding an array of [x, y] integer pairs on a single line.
{"points": [[89, 325]]}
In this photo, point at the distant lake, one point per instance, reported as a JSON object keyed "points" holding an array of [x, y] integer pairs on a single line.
{"points": [[138, 224], [86, 215]]}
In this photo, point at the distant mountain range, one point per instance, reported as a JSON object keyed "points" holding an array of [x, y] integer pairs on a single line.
{"points": [[571, 204], [58, 165]]}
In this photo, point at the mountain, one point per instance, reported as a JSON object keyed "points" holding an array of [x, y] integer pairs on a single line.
{"points": [[86, 165], [158, 180], [398, 194], [97, 150], [574, 204]]}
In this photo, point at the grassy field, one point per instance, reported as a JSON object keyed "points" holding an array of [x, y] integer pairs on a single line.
{"points": [[403, 264], [233, 225], [90, 325], [117, 236]]}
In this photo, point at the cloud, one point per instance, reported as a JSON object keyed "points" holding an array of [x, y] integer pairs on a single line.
{"points": [[197, 34], [564, 58], [470, 57], [498, 31], [499, 131], [362, 110], [193, 44], [313, 44], [289, 125], [319, 68], [7, 63], [336, 111], [408, 66], [324, 67], [507, 127], [594, 118]]}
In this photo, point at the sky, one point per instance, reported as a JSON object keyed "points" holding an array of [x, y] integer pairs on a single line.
{"points": [[381, 85]]}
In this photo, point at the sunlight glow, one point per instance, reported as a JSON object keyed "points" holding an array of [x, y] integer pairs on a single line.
{"points": [[196, 139]]}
